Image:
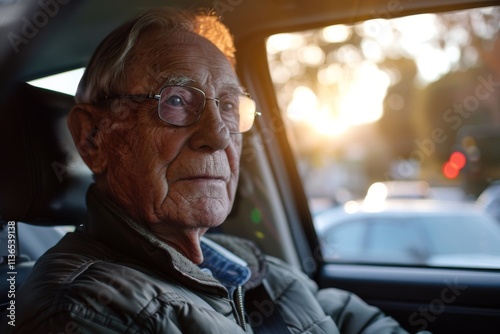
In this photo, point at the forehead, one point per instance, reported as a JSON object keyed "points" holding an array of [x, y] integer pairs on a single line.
{"points": [[159, 56]]}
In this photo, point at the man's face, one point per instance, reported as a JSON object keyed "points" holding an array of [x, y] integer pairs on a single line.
{"points": [[170, 177]]}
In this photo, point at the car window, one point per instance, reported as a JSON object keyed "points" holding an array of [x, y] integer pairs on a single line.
{"points": [[462, 235], [397, 109], [35, 240], [346, 241], [394, 237], [65, 82]]}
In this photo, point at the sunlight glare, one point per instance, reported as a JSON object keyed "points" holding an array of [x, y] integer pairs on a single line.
{"points": [[280, 73], [417, 29], [330, 74], [364, 101], [324, 123], [351, 207], [372, 50], [281, 42], [432, 63], [336, 34], [304, 103], [350, 87], [361, 103], [305, 107], [377, 191], [311, 55]]}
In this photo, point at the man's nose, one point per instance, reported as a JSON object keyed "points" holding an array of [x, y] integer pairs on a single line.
{"points": [[211, 131]]}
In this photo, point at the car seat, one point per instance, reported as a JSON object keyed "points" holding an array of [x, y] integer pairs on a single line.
{"points": [[43, 181]]}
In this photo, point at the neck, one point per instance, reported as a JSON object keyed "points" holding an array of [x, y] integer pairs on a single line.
{"points": [[185, 241]]}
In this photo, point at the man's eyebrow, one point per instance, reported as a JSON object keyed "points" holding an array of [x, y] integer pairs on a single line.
{"points": [[178, 80], [237, 90], [174, 80]]}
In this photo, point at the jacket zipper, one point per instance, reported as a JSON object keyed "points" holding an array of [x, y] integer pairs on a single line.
{"points": [[240, 308]]}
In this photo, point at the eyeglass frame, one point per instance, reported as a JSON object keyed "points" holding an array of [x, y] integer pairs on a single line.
{"points": [[205, 99]]}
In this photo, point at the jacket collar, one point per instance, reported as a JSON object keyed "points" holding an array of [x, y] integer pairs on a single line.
{"points": [[110, 224]]}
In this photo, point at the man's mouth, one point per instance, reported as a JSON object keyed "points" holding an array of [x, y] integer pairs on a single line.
{"points": [[202, 178]]}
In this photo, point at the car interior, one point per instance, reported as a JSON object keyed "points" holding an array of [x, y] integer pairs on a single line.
{"points": [[43, 180]]}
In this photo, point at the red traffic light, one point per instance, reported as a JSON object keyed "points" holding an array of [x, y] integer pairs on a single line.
{"points": [[451, 168]]}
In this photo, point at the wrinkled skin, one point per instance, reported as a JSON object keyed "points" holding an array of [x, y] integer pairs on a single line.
{"points": [[177, 181]]}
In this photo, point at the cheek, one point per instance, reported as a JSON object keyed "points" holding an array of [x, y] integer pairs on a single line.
{"points": [[166, 145], [233, 152], [234, 155], [127, 162], [136, 173], [134, 154], [154, 146]]}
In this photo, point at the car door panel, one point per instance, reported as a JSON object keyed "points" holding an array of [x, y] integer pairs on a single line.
{"points": [[441, 300]]}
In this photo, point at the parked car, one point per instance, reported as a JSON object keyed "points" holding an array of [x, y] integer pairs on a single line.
{"points": [[410, 232], [350, 92], [490, 199]]}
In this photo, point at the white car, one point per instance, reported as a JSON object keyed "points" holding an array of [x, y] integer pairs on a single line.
{"points": [[417, 232], [490, 199]]}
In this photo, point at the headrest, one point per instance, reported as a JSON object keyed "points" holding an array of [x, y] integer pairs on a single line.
{"points": [[43, 180]]}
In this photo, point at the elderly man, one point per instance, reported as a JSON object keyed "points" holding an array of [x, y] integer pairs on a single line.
{"points": [[158, 120]]}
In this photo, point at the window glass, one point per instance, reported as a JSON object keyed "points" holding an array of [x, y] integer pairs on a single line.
{"points": [[464, 234], [65, 82], [345, 241], [392, 236], [393, 114]]}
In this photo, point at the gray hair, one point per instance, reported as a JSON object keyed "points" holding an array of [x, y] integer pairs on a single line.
{"points": [[106, 73]]}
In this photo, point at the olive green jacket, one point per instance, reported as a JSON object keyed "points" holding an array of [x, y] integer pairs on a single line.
{"points": [[114, 276]]}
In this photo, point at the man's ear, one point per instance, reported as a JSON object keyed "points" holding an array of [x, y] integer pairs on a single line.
{"points": [[83, 123]]}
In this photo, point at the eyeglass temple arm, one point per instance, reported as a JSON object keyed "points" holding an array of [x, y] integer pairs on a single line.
{"points": [[138, 96]]}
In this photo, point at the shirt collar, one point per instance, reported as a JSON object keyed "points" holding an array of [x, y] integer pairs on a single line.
{"points": [[229, 269]]}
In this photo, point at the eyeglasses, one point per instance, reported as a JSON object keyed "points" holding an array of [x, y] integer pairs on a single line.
{"points": [[182, 106]]}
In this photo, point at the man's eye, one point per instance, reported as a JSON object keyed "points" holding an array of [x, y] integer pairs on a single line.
{"points": [[228, 104], [175, 101]]}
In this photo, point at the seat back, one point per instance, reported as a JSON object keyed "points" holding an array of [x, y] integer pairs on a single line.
{"points": [[43, 180]]}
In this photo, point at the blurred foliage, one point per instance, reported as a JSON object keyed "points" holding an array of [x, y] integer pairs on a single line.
{"points": [[425, 66]]}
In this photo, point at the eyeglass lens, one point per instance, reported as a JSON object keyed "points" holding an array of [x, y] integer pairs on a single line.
{"points": [[183, 106]]}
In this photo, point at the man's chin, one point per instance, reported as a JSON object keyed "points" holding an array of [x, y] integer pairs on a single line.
{"points": [[208, 215]]}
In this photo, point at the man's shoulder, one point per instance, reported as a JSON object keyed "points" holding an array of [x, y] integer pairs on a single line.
{"points": [[73, 256], [82, 279], [76, 246], [78, 259]]}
